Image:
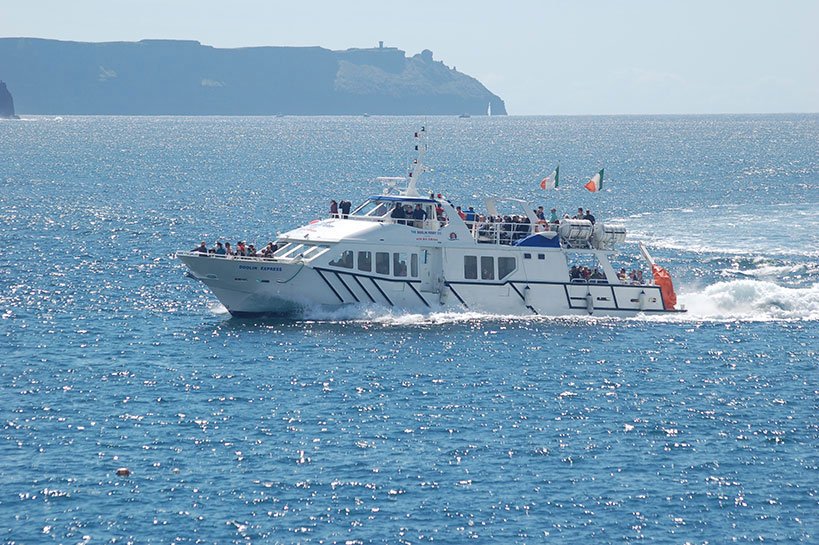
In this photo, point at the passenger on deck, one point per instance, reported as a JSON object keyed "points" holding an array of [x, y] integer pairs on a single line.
{"points": [[439, 213], [220, 250], [522, 228], [419, 215], [269, 250], [345, 208], [574, 272], [333, 209], [589, 216], [540, 214], [398, 213], [228, 249], [470, 216], [251, 251], [553, 216], [461, 213], [202, 248], [580, 214], [621, 275], [240, 248]]}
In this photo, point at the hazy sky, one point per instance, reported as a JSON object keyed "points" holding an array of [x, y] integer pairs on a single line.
{"points": [[541, 57]]}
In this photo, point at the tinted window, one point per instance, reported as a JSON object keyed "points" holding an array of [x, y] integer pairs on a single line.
{"points": [[382, 262], [470, 267], [399, 264], [345, 260], [365, 261], [487, 268], [414, 265], [506, 266]]}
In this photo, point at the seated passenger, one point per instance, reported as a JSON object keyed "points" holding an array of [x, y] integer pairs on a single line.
{"points": [[419, 215], [202, 248], [574, 272], [251, 251], [580, 214], [398, 213], [460, 212], [553, 216], [589, 216], [621, 275], [540, 214], [220, 250]]}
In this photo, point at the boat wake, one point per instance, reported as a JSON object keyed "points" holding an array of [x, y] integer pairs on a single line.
{"points": [[752, 300]]}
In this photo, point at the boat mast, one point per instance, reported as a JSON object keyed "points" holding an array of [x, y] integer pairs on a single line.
{"points": [[418, 166]]}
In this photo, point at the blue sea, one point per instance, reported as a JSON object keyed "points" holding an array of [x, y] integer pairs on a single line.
{"points": [[376, 426]]}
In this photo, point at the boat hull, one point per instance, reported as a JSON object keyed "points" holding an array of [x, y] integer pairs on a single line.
{"points": [[256, 287]]}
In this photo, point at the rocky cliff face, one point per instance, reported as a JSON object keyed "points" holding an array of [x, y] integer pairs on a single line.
{"points": [[6, 103], [187, 78]]}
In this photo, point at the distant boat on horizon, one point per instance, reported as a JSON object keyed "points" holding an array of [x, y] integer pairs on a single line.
{"points": [[464, 116], [489, 110]]}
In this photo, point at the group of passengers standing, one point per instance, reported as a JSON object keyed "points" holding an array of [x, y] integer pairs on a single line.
{"points": [[406, 214], [340, 209], [242, 249]]}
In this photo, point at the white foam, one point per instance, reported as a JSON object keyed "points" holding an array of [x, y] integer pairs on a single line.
{"points": [[753, 300], [217, 308]]}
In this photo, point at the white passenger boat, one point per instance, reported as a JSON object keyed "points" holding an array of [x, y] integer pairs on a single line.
{"points": [[438, 262]]}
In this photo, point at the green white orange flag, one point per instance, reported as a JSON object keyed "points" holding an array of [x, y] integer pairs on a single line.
{"points": [[552, 180], [596, 183]]}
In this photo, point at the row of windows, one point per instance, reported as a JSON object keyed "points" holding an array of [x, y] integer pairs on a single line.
{"points": [[400, 261], [293, 250], [506, 266]]}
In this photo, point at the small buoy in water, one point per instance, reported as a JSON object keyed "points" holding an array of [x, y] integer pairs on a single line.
{"points": [[123, 472]]}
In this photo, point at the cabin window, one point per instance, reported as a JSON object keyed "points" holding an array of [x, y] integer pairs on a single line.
{"points": [[365, 261], [380, 210], [365, 209], [506, 266], [414, 265], [292, 251], [345, 261], [527, 256], [382, 262], [399, 264], [283, 249], [541, 256], [470, 267], [487, 267], [313, 251]]}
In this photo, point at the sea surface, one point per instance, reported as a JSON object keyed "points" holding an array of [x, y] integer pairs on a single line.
{"points": [[376, 426]]}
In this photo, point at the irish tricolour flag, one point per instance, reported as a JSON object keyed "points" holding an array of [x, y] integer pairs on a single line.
{"points": [[552, 180], [596, 183]]}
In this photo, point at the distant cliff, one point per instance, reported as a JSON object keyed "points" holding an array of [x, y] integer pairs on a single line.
{"points": [[6, 103], [155, 77]]}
